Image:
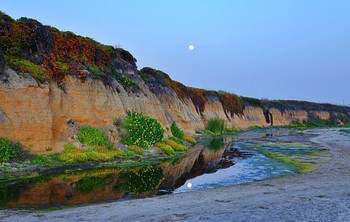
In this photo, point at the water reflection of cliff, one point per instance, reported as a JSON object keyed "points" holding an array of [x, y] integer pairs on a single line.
{"points": [[83, 187], [112, 184], [199, 160]]}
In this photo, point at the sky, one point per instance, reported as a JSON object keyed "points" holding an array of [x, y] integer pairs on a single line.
{"points": [[271, 49]]}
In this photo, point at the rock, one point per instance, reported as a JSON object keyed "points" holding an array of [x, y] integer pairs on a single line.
{"points": [[16, 165], [7, 164], [154, 151], [26, 162], [79, 145], [200, 131], [121, 146]]}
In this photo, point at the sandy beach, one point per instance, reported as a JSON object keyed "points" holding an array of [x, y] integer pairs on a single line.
{"points": [[323, 195]]}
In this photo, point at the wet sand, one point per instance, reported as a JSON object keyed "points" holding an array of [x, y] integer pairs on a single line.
{"points": [[323, 195]]}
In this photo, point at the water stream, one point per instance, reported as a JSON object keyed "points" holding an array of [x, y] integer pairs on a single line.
{"points": [[257, 167], [212, 163]]}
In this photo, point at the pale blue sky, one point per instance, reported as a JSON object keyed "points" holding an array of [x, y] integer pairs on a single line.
{"points": [[281, 49]]}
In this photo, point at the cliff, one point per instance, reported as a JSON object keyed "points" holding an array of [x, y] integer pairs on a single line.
{"points": [[49, 79]]}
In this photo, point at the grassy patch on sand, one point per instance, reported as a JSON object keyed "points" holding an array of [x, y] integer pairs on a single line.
{"points": [[288, 145], [301, 167]]}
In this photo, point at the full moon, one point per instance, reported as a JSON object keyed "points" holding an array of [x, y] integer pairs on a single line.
{"points": [[191, 47], [189, 185]]}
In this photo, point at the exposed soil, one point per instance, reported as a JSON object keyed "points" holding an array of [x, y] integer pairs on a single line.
{"points": [[323, 195]]}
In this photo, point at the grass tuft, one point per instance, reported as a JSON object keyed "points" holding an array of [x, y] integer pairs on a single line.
{"points": [[177, 147], [255, 127], [190, 139], [166, 148], [216, 126], [136, 149], [176, 131]]}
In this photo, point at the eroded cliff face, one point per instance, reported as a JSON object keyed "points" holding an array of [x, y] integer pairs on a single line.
{"points": [[37, 115], [49, 79]]}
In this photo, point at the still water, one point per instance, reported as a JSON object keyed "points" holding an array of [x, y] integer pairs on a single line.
{"points": [[212, 163], [256, 167]]}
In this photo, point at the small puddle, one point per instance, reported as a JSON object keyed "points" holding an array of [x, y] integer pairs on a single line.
{"points": [[212, 163]]}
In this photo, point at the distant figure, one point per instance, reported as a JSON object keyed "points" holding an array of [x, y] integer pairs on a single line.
{"points": [[269, 134]]}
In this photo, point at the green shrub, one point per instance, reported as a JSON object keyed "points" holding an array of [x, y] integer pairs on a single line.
{"points": [[175, 146], [92, 136], [95, 71], [125, 81], [12, 150], [166, 148], [190, 139], [142, 130], [176, 131], [136, 149], [20, 154], [41, 160], [143, 76], [216, 126], [6, 151]]}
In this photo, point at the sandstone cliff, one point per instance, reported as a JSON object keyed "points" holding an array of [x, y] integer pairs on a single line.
{"points": [[50, 78]]}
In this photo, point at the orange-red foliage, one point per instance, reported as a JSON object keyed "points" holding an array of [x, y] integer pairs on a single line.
{"points": [[17, 36], [58, 53], [231, 104], [198, 98], [179, 88], [196, 95], [68, 47]]}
